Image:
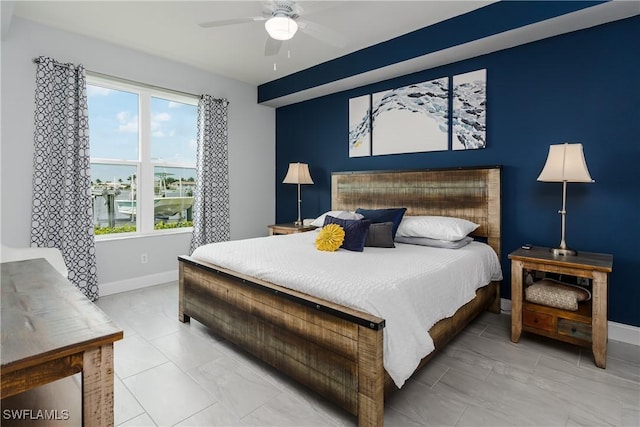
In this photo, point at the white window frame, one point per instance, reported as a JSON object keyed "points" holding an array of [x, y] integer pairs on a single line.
{"points": [[144, 164]]}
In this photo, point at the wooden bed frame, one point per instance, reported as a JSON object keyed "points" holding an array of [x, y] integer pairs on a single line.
{"points": [[335, 350]]}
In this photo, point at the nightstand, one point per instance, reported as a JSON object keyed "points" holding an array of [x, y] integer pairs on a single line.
{"points": [[587, 326], [289, 228]]}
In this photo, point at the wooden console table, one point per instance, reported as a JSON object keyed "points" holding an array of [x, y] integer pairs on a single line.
{"points": [[50, 330]]}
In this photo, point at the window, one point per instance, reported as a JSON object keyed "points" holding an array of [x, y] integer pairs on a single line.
{"points": [[143, 157]]}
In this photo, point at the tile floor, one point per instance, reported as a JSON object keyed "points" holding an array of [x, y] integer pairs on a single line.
{"points": [[169, 373]]}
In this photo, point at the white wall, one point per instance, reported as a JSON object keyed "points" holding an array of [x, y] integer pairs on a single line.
{"points": [[251, 146]]}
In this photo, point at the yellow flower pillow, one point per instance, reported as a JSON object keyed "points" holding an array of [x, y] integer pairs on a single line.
{"points": [[330, 237]]}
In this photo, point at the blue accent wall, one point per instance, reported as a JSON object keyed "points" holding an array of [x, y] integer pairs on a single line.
{"points": [[578, 87], [486, 21]]}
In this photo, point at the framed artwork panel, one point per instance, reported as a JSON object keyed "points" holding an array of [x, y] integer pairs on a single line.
{"points": [[360, 126], [411, 119], [469, 115]]}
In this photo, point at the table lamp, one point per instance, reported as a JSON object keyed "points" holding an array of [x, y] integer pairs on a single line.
{"points": [[565, 163], [298, 173]]}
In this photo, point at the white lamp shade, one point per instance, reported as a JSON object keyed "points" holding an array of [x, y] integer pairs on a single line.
{"points": [[281, 27], [298, 173], [565, 162]]}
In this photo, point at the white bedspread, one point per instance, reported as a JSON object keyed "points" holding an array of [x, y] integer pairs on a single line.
{"points": [[411, 287]]}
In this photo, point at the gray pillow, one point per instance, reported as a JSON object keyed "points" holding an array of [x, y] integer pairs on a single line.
{"points": [[380, 235], [425, 241]]}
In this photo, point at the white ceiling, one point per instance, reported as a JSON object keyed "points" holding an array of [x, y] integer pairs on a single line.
{"points": [[170, 29]]}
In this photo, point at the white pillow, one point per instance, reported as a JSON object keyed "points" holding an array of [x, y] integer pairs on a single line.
{"points": [[435, 243], [435, 227], [319, 222]]}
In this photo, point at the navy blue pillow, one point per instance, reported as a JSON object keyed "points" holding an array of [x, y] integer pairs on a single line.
{"points": [[384, 215], [355, 232]]}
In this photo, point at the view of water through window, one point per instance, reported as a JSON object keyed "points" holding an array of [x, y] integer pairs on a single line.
{"points": [[143, 147]]}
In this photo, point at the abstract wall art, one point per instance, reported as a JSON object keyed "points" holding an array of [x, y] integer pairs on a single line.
{"points": [[411, 119], [416, 118], [360, 126], [468, 118]]}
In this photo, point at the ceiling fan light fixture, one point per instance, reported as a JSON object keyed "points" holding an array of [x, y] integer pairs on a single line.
{"points": [[281, 27]]}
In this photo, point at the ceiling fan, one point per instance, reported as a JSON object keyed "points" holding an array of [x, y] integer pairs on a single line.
{"points": [[282, 21]]}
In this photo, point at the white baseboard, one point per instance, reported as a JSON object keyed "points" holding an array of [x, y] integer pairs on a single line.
{"points": [[137, 283], [505, 306], [624, 333], [617, 331]]}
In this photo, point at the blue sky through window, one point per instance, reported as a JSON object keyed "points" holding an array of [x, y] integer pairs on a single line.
{"points": [[114, 133], [173, 131], [113, 123]]}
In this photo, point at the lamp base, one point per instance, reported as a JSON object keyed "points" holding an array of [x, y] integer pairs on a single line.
{"points": [[563, 251], [297, 223]]}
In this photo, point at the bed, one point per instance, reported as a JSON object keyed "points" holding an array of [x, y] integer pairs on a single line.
{"points": [[333, 349]]}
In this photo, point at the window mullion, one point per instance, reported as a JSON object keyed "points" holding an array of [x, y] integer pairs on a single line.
{"points": [[145, 198]]}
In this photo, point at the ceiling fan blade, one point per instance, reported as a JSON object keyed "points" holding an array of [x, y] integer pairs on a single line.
{"points": [[322, 33], [224, 22], [272, 47]]}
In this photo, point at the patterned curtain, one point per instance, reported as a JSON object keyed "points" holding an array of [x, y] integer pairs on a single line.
{"points": [[211, 196], [62, 211]]}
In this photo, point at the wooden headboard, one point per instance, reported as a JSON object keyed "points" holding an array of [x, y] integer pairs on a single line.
{"points": [[469, 193]]}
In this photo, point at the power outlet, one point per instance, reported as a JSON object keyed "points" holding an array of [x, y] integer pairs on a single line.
{"points": [[144, 259]]}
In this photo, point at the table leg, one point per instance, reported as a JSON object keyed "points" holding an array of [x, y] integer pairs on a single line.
{"points": [[516, 300], [599, 319], [97, 387]]}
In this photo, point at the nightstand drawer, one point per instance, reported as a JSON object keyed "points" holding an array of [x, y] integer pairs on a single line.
{"points": [[538, 320], [574, 329]]}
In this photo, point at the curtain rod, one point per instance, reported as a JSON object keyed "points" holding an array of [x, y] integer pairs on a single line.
{"points": [[59, 64], [127, 81]]}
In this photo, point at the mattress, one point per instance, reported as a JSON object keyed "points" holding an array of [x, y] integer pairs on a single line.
{"points": [[411, 287]]}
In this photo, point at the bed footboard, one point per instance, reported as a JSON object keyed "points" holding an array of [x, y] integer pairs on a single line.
{"points": [[333, 350]]}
